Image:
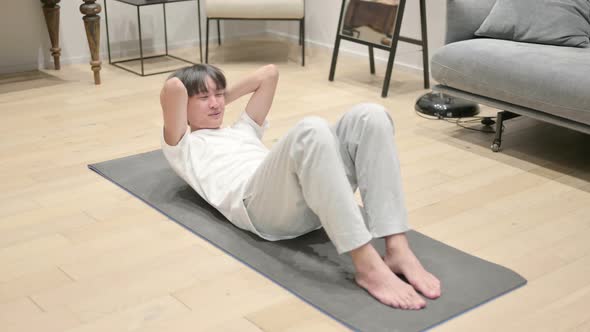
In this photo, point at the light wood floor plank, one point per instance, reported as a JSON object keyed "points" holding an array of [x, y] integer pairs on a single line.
{"points": [[19, 309], [136, 318], [36, 282], [46, 227], [548, 289], [292, 315], [245, 289], [58, 250], [54, 321], [104, 294]]}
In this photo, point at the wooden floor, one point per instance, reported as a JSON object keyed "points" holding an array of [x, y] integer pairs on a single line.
{"points": [[79, 254]]}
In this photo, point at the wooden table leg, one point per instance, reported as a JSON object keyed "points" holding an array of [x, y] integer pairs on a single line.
{"points": [[90, 9], [51, 12]]}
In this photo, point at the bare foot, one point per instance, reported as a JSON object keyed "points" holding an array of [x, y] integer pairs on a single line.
{"points": [[374, 276], [401, 260]]}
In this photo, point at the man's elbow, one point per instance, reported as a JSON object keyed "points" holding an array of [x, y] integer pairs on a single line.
{"points": [[174, 84], [271, 72]]}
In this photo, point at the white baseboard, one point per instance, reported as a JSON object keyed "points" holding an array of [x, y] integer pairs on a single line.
{"points": [[399, 64], [134, 51]]}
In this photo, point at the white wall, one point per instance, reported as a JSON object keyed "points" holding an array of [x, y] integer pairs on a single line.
{"points": [[25, 46], [21, 35], [322, 16]]}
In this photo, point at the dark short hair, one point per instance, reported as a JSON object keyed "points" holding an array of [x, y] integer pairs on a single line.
{"points": [[194, 78]]}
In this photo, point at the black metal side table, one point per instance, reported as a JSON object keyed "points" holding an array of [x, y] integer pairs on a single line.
{"points": [[138, 4]]}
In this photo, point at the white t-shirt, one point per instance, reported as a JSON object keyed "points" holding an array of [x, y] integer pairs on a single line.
{"points": [[217, 164]]}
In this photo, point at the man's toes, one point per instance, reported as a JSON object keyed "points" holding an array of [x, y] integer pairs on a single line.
{"points": [[422, 302], [420, 286], [418, 305], [434, 281], [428, 287], [413, 299], [434, 287], [431, 292], [410, 301], [419, 301], [403, 305]]}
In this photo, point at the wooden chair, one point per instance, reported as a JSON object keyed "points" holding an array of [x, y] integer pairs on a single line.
{"points": [[278, 10]]}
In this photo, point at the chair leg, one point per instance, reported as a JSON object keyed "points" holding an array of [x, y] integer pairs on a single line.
{"points": [[200, 34], [302, 25], [300, 34], [218, 33], [425, 60], [371, 60], [207, 42]]}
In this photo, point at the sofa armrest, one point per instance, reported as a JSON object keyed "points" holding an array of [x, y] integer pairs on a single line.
{"points": [[464, 17]]}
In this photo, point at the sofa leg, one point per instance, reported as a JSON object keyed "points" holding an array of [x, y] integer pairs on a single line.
{"points": [[502, 116]]}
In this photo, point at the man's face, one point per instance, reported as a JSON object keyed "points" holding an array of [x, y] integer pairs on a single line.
{"points": [[205, 110]]}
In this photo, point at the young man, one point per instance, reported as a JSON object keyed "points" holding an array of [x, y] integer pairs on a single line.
{"points": [[306, 181]]}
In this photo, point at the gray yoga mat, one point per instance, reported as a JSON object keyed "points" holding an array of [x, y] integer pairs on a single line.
{"points": [[309, 266]]}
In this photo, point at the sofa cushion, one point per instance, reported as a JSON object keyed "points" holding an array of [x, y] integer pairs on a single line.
{"points": [[551, 79], [554, 22]]}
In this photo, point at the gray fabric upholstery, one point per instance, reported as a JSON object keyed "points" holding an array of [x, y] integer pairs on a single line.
{"points": [[553, 22], [528, 112], [551, 79], [464, 17]]}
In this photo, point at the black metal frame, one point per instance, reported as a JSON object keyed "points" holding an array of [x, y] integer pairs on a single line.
{"points": [[141, 57], [392, 49], [301, 31]]}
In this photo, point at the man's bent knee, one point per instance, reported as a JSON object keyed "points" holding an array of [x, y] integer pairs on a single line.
{"points": [[316, 128], [375, 115]]}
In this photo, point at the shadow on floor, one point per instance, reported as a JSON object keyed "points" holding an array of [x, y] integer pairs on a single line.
{"points": [[27, 80], [540, 148], [255, 50]]}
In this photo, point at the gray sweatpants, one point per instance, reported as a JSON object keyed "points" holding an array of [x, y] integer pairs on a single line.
{"points": [[309, 177]]}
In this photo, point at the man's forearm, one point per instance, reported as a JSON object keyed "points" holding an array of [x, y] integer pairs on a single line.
{"points": [[174, 100], [249, 84]]}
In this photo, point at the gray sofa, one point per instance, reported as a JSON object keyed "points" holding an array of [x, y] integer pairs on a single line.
{"points": [[548, 83]]}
